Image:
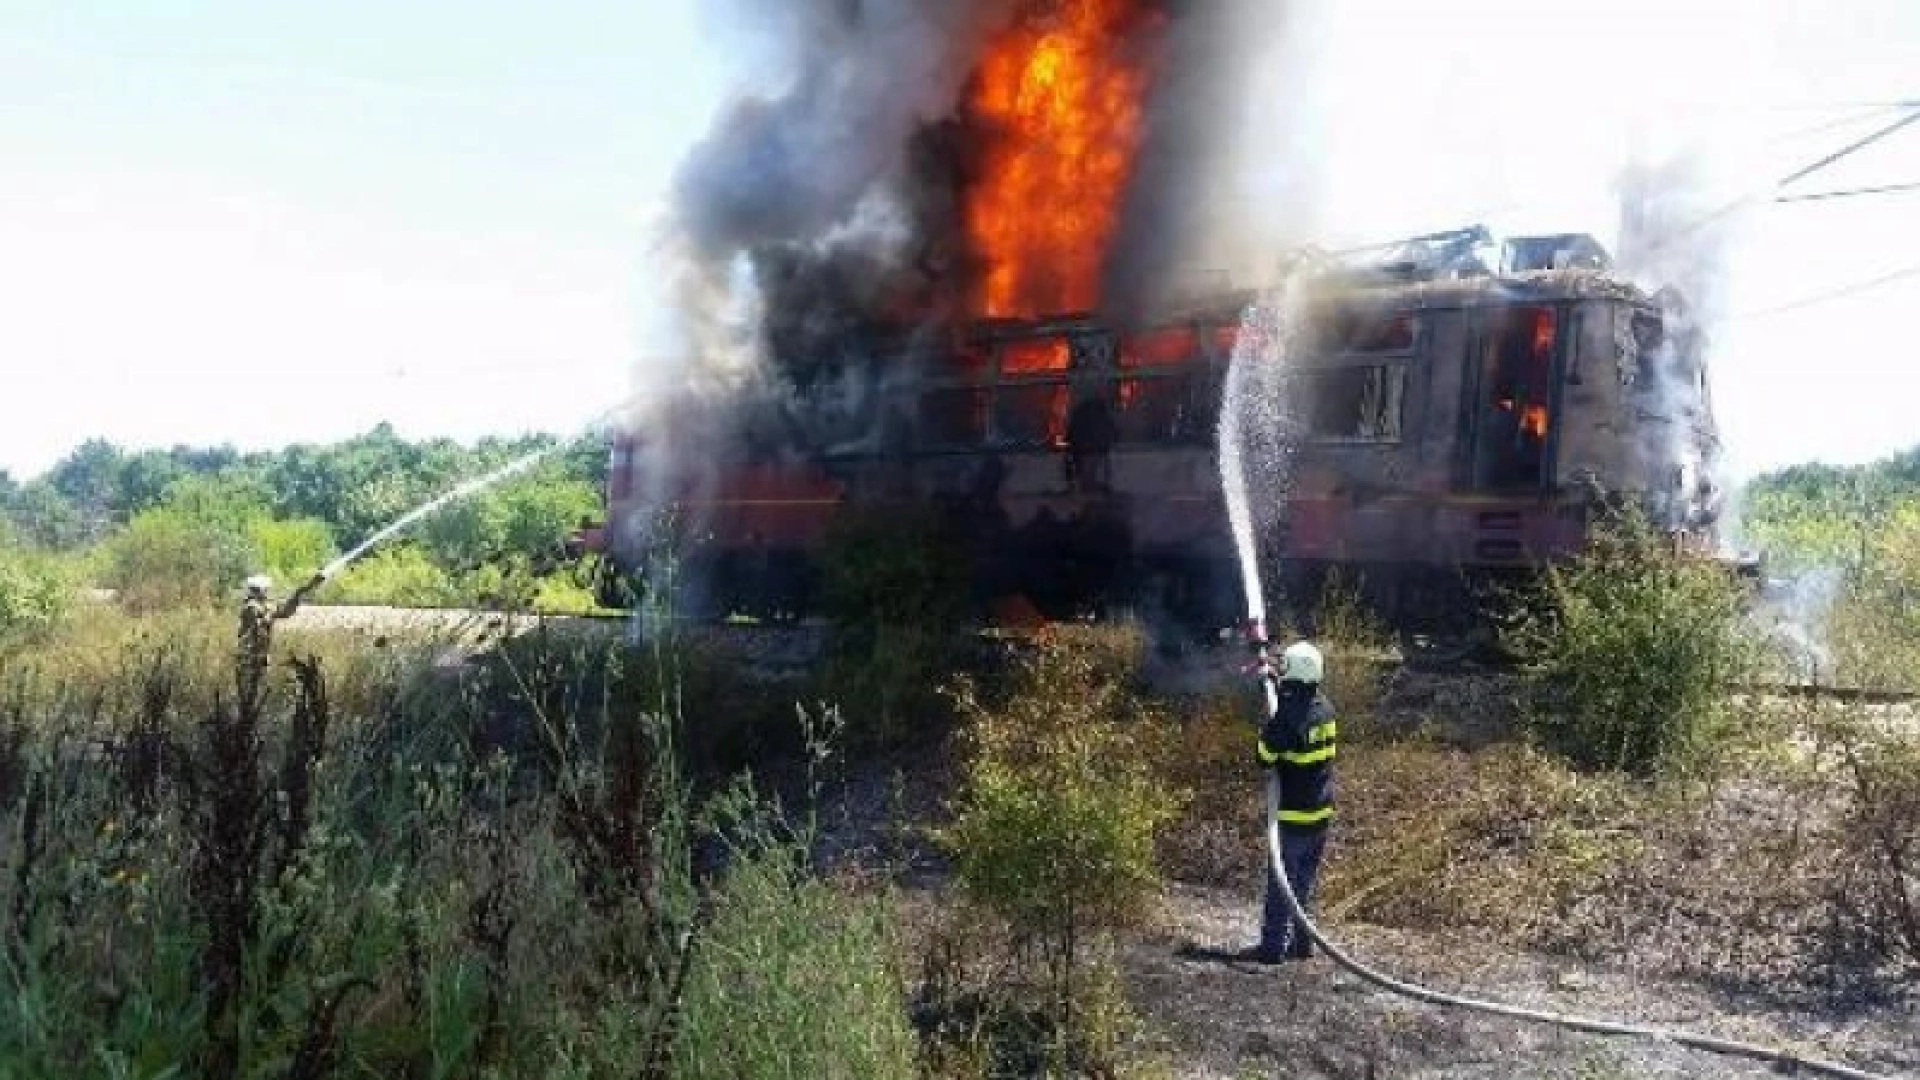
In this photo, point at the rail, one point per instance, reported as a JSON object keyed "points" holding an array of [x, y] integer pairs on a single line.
{"points": [[1569, 1021]]}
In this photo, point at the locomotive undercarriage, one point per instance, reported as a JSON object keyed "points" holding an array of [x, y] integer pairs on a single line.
{"points": [[1434, 615]]}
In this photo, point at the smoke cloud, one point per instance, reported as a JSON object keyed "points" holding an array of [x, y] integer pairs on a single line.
{"points": [[797, 222], [820, 214], [828, 127]]}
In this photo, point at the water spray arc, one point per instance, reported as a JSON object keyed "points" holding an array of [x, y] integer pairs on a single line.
{"points": [[461, 491], [465, 489], [1253, 389]]}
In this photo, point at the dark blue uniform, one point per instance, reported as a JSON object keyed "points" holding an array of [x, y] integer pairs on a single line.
{"points": [[1298, 743]]}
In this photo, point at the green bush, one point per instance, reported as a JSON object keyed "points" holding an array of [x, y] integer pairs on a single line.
{"points": [[33, 591], [557, 594], [895, 592], [166, 558], [1063, 796], [794, 978], [1635, 650], [403, 575], [290, 551]]}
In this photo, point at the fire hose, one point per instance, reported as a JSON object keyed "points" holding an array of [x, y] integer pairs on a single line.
{"points": [[1564, 1020]]}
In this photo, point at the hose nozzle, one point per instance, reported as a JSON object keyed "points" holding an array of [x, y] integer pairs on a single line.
{"points": [[1256, 636]]}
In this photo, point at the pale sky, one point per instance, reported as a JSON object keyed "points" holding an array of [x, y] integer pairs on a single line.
{"points": [[259, 223]]}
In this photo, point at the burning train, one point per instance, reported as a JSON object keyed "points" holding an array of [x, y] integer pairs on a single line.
{"points": [[1458, 425], [1462, 406]]}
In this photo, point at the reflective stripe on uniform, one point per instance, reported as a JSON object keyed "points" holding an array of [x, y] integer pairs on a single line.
{"points": [[1304, 817], [1267, 757], [1323, 732], [1307, 757]]}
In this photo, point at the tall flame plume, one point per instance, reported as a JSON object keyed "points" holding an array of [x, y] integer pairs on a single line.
{"points": [[1061, 98]]}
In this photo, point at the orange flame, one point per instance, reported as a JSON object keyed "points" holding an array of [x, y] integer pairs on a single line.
{"points": [[1061, 99], [1533, 419]]}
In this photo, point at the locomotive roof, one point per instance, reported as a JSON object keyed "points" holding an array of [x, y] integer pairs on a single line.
{"points": [[1226, 305], [1449, 292]]}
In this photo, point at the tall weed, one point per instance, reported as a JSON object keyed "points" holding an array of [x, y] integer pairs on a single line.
{"points": [[494, 870]]}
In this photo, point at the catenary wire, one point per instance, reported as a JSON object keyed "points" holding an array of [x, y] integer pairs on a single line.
{"points": [[1834, 294], [1844, 193]]}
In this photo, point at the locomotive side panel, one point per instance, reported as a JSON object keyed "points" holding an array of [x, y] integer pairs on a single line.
{"points": [[1454, 426], [1592, 422]]}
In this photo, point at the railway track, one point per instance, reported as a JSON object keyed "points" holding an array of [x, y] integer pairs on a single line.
{"points": [[789, 649]]}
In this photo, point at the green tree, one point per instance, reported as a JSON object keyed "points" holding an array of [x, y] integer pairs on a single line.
{"points": [[45, 517], [1820, 515], [231, 501], [524, 517], [89, 479], [143, 480]]}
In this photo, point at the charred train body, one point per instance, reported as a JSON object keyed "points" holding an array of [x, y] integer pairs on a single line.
{"points": [[1454, 426]]}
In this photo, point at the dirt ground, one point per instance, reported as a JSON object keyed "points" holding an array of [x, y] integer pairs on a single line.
{"points": [[1215, 1020], [1315, 1020]]}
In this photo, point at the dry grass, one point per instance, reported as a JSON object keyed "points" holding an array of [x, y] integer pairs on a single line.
{"points": [[1784, 874]]}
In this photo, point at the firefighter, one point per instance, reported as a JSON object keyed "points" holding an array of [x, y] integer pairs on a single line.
{"points": [[257, 616], [1297, 742]]}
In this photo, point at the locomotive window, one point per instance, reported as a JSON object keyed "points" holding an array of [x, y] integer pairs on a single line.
{"points": [[1354, 404], [1359, 331], [968, 362], [1037, 356], [1162, 410], [1032, 415], [1159, 348], [952, 418]]}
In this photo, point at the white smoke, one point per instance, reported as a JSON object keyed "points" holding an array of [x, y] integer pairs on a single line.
{"points": [[1797, 622], [1371, 120]]}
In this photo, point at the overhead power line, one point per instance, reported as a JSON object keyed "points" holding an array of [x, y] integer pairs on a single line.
{"points": [[1829, 125], [1835, 294], [1844, 193], [1913, 116]]}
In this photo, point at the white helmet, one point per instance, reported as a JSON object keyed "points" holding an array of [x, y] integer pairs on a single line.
{"points": [[259, 583], [1302, 663]]}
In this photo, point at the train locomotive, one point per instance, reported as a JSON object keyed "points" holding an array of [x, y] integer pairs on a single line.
{"points": [[1460, 411]]}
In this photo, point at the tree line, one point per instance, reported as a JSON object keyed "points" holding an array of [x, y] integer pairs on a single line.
{"points": [[1836, 517], [186, 522], [167, 526]]}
